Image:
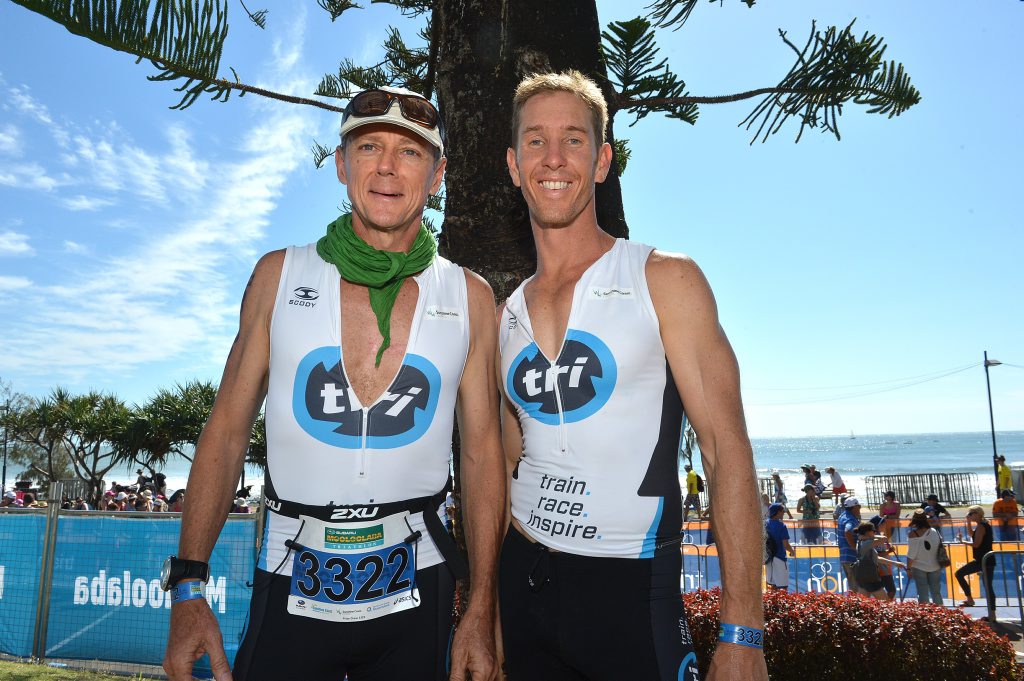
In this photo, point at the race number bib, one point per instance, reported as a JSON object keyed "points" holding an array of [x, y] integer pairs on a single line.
{"points": [[354, 571]]}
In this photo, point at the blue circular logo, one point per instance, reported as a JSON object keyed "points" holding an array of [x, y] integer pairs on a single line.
{"points": [[578, 384], [325, 406]]}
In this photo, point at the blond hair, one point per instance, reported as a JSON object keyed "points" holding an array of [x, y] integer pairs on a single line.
{"points": [[975, 509], [570, 81]]}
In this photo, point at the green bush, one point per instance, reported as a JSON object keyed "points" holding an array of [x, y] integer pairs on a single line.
{"points": [[808, 635]]}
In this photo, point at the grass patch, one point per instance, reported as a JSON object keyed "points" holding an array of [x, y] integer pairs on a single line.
{"points": [[20, 671]]}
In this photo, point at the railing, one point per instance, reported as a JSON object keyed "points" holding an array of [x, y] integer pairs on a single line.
{"points": [[951, 488]]}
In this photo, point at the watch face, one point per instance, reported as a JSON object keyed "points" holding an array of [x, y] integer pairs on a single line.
{"points": [[165, 574]]}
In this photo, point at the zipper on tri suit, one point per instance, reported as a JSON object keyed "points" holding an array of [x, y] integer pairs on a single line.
{"points": [[362, 454], [563, 441]]}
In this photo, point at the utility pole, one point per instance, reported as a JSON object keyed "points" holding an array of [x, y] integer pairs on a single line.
{"points": [[991, 420], [3, 481]]}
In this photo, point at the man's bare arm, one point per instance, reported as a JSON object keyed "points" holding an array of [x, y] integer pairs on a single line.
{"points": [[483, 487], [705, 371], [217, 466]]}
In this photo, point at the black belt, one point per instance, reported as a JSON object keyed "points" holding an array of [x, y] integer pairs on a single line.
{"points": [[351, 513]]}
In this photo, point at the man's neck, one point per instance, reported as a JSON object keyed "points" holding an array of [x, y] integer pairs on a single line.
{"points": [[398, 240], [564, 250]]}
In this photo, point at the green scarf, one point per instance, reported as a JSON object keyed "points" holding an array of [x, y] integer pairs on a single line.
{"points": [[381, 271]]}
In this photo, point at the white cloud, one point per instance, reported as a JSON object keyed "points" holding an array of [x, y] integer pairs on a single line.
{"points": [[86, 203], [74, 247], [13, 283], [13, 243], [10, 140], [27, 104], [31, 176]]}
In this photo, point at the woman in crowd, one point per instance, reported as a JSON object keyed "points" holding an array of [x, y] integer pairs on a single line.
{"points": [[890, 512], [809, 507], [780, 493], [868, 560], [922, 558]]}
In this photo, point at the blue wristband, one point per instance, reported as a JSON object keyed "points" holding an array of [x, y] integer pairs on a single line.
{"points": [[744, 636], [186, 591]]}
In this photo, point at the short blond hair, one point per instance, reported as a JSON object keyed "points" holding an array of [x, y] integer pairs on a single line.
{"points": [[571, 81], [975, 509]]}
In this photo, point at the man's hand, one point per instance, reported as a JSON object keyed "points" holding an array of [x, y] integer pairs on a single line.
{"points": [[733, 662], [194, 631], [473, 653]]}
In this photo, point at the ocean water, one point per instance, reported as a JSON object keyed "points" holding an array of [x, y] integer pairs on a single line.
{"points": [[854, 458]]}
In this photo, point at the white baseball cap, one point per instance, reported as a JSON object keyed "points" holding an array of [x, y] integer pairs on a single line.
{"points": [[393, 115]]}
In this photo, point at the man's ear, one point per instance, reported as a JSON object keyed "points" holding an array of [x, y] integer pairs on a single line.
{"points": [[513, 166], [604, 162], [339, 164], [438, 174]]}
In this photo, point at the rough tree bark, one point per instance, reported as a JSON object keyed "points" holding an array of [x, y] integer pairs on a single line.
{"points": [[485, 47]]}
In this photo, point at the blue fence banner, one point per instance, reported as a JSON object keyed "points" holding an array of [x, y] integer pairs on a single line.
{"points": [[106, 601], [21, 556]]}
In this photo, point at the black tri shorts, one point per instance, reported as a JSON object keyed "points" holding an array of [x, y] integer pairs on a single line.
{"points": [[592, 619], [411, 645]]}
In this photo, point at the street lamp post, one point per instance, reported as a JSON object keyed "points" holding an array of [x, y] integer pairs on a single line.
{"points": [[991, 420], [3, 481]]}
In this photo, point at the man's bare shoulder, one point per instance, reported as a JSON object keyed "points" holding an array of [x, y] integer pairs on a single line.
{"points": [[676, 277], [477, 287], [261, 290]]}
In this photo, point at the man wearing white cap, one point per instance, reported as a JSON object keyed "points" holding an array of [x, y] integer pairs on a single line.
{"points": [[846, 535], [366, 345]]}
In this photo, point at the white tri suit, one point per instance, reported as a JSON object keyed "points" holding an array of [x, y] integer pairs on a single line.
{"points": [[355, 571], [595, 594]]}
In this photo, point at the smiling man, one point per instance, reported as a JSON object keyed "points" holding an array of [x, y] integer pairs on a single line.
{"points": [[366, 346], [599, 351]]}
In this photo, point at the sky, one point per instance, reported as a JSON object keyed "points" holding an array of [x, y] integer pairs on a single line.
{"points": [[859, 281]]}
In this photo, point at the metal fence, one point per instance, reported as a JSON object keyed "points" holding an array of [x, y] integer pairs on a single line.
{"points": [[951, 488], [84, 585]]}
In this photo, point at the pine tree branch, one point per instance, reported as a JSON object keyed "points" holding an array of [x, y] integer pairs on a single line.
{"points": [[259, 18]]}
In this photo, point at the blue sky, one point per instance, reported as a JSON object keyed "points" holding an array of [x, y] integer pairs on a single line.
{"points": [[128, 231]]}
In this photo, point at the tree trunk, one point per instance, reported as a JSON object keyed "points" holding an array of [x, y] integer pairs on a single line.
{"points": [[485, 48]]}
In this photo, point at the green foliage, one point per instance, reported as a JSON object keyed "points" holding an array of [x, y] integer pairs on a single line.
{"points": [[320, 154], [643, 83], [674, 13], [183, 40], [337, 7], [259, 17], [622, 154], [811, 635], [834, 67], [409, 8]]}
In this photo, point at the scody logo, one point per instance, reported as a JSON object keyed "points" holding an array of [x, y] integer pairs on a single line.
{"points": [[304, 296], [583, 378], [325, 406]]}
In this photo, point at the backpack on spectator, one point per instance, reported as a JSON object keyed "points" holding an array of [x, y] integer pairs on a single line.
{"points": [[769, 547], [700, 484]]}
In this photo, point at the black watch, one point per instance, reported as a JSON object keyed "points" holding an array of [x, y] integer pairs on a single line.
{"points": [[176, 569]]}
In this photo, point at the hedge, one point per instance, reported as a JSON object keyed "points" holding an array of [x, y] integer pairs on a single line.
{"points": [[808, 635]]}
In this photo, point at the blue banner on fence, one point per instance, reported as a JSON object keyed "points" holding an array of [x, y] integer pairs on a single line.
{"points": [[21, 555], [107, 602]]}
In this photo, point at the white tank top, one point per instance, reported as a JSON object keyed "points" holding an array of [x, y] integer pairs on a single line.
{"points": [[323, 446], [601, 422]]}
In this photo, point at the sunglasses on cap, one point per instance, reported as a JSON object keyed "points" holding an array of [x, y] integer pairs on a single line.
{"points": [[377, 102]]}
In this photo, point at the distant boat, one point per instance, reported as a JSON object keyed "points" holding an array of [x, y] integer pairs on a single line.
{"points": [[852, 436]]}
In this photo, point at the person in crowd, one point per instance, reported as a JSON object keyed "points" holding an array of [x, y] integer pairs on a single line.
{"points": [[938, 509], [776, 570], [143, 503], [240, 505], [131, 502], [869, 581], [922, 558], [360, 419], [650, 316], [884, 548], [160, 484], [10, 496], [980, 541], [176, 504], [838, 507], [838, 486], [1004, 477], [29, 501], [141, 479], [1005, 511], [780, 493], [692, 493], [81, 505], [846, 536], [766, 504], [112, 505], [813, 477], [890, 512], [809, 508], [121, 499]]}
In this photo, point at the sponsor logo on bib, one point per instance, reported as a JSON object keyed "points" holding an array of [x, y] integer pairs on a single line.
{"points": [[435, 312], [581, 381], [325, 406], [608, 292]]}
